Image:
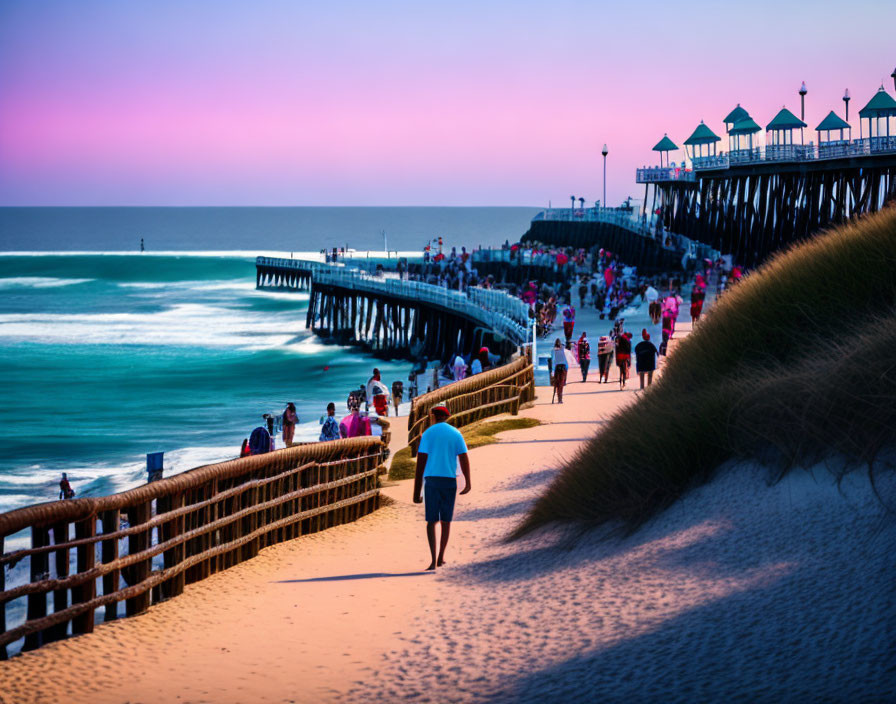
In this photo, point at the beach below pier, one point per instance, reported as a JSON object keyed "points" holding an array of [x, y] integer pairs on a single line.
{"points": [[736, 583]]}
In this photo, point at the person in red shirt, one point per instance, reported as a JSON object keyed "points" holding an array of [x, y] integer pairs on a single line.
{"points": [[65, 489], [623, 356]]}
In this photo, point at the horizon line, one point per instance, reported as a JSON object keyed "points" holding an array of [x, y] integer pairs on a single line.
{"points": [[270, 206]]}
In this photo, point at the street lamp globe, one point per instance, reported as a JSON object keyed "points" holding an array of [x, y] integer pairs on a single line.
{"points": [[604, 151]]}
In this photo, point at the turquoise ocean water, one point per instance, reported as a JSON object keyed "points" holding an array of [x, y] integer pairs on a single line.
{"points": [[107, 354]]}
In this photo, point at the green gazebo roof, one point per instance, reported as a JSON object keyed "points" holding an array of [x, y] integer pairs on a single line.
{"points": [[702, 135], [736, 115], [833, 122], [785, 120], [665, 145], [881, 105], [746, 126]]}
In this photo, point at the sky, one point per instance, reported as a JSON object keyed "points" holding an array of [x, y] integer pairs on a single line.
{"points": [[399, 103]]}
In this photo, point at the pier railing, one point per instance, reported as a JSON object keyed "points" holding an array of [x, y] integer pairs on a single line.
{"points": [[772, 153], [499, 390], [494, 309], [652, 174], [143, 545]]}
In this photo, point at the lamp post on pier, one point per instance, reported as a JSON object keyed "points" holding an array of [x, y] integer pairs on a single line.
{"points": [[604, 151], [803, 92], [846, 101], [893, 76]]}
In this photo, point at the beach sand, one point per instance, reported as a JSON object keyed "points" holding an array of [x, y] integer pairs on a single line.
{"points": [[739, 591]]}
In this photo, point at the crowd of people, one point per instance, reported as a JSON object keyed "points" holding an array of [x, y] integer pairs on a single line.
{"points": [[617, 347], [596, 279], [371, 399]]}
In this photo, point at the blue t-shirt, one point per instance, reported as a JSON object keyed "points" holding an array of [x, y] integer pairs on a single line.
{"points": [[441, 443]]}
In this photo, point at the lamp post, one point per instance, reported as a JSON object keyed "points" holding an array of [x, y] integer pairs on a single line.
{"points": [[604, 151], [803, 92], [572, 202], [846, 100], [893, 76]]}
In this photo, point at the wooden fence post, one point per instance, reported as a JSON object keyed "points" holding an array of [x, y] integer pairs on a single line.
{"points": [[60, 596], [111, 581], [37, 603], [3, 655], [86, 561], [212, 513], [170, 530], [138, 542]]}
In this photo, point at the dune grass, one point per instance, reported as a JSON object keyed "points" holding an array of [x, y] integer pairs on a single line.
{"points": [[475, 435], [795, 364]]}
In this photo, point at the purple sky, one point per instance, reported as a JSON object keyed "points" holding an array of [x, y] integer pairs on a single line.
{"points": [[398, 103]]}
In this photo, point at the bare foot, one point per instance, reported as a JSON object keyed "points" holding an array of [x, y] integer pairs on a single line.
{"points": [[431, 568], [441, 561]]}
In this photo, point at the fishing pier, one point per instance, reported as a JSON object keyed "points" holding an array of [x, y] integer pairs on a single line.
{"points": [[754, 200], [391, 316]]}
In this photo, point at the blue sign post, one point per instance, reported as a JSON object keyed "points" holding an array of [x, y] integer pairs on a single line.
{"points": [[154, 466]]}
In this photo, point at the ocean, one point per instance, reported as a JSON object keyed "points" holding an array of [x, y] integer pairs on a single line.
{"points": [[107, 354]]}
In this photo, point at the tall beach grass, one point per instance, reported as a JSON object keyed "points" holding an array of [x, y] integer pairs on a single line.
{"points": [[795, 364]]}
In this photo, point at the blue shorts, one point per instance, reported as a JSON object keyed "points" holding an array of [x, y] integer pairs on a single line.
{"points": [[439, 494]]}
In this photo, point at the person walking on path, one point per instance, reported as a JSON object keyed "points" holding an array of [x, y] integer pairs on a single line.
{"points": [[623, 356], [583, 348], [645, 358], [605, 351], [698, 295], [376, 394], [289, 423], [329, 425], [442, 447], [569, 322], [397, 395], [560, 367]]}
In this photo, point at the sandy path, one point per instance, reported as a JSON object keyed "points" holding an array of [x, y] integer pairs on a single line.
{"points": [[739, 591]]}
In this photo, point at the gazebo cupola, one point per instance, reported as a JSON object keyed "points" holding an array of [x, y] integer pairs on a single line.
{"points": [[740, 137], [834, 135], [702, 143], [879, 111], [779, 135], [732, 119], [664, 146]]}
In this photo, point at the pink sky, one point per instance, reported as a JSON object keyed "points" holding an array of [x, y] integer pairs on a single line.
{"points": [[390, 103]]}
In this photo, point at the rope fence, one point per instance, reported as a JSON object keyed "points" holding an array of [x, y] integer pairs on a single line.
{"points": [[491, 393], [144, 545]]}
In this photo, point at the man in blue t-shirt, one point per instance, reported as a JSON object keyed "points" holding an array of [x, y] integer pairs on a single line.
{"points": [[441, 447]]}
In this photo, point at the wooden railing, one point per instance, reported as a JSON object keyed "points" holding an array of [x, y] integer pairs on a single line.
{"points": [[490, 393], [142, 546]]}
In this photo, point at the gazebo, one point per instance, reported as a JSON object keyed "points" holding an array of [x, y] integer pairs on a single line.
{"points": [[880, 107], [779, 136], [734, 117], [702, 143], [829, 147], [743, 130], [664, 146]]}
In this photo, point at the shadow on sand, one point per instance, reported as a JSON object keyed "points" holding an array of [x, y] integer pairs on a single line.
{"points": [[350, 577]]}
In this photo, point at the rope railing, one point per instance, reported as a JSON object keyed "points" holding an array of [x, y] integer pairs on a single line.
{"points": [[142, 546], [497, 391]]}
